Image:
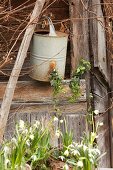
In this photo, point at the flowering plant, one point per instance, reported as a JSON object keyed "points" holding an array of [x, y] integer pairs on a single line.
{"points": [[30, 144], [84, 155]]}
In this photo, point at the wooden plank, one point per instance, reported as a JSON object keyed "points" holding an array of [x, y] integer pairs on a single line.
{"points": [[39, 92], [103, 139], [98, 38], [100, 95], [79, 32], [76, 123], [44, 113]]}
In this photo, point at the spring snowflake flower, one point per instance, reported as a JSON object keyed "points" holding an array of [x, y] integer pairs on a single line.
{"points": [[57, 133], [34, 157], [21, 124], [31, 137], [37, 124], [14, 140], [27, 142], [85, 148], [62, 158], [80, 164], [61, 121], [76, 152], [96, 112], [101, 124], [55, 119], [7, 161], [66, 167], [66, 153], [6, 150]]}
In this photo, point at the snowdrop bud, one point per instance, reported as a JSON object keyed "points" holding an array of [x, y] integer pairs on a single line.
{"points": [[66, 153], [66, 167], [101, 124], [96, 112], [80, 164], [61, 121]]}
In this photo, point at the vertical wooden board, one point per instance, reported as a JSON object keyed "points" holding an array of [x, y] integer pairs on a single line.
{"points": [[100, 95], [98, 38], [74, 113], [76, 124], [79, 30], [10, 127], [102, 58], [103, 139]]}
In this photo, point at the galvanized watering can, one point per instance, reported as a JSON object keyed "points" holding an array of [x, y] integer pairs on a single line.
{"points": [[48, 52]]}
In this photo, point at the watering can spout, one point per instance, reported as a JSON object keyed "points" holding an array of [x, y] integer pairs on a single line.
{"points": [[51, 27]]}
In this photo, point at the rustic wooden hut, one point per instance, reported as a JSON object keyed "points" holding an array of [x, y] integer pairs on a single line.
{"points": [[88, 27]]}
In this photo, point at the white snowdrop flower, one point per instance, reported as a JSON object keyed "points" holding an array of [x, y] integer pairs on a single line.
{"points": [[91, 160], [96, 136], [31, 137], [76, 152], [34, 157], [25, 131], [96, 112], [21, 124], [62, 158], [37, 124], [101, 124], [7, 161], [61, 121], [85, 147], [66, 153], [71, 146], [55, 119], [66, 167], [30, 129], [14, 140], [80, 164], [97, 151], [57, 133], [6, 150], [27, 142]]}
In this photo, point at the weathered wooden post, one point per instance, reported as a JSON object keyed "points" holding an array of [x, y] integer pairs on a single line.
{"points": [[8, 96]]}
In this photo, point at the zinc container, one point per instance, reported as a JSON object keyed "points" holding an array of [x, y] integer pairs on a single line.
{"points": [[47, 53]]}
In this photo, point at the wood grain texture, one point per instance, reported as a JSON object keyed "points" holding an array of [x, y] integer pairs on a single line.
{"points": [[35, 91], [103, 139], [79, 32], [100, 95], [98, 37], [30, 112]]}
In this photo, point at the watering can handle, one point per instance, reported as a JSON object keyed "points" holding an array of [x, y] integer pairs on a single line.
{"points": [[51, 28]]}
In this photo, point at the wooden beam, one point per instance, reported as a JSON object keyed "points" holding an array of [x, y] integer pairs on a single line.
{"points": [[40, 92], [9, 92]]}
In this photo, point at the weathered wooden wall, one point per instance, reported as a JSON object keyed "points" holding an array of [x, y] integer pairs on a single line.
{"points": [[33, 100], [100, 77]]}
